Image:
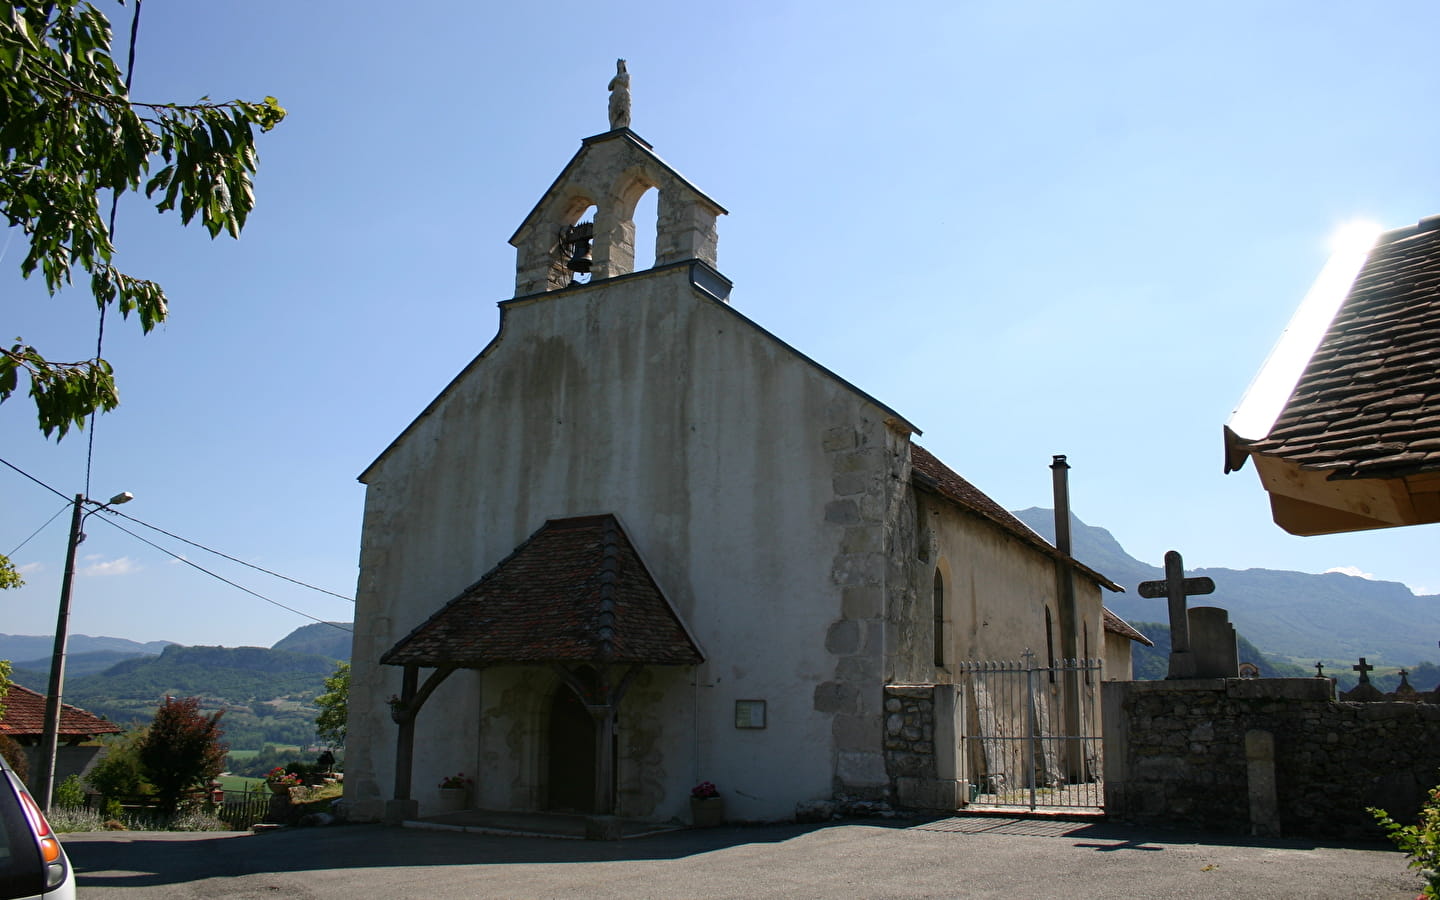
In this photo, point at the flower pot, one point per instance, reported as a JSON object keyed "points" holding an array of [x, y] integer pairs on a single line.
{"points": [[454, 799], [278, 788], [707, 813]]}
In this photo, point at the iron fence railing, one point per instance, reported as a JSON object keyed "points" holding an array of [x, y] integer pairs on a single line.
{"points": [[1030, 735]]}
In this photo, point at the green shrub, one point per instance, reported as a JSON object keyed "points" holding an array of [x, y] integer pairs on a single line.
{"points": [[69, 793], [1420, 842], [118, 773]]}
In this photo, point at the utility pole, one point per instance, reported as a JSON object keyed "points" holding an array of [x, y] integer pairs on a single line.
{"points": [[49, 745]]}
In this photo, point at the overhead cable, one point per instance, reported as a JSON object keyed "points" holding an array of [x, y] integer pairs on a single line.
{"points": [[241, 587], [40, 529], [229, 557]]}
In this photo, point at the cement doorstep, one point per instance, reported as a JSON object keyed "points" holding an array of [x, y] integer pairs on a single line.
{"points": [[565, 826]]}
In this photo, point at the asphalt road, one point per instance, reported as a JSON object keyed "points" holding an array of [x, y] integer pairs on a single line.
{"points": [[946, 858]]}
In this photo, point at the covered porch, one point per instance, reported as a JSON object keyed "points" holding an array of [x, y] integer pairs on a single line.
{"points": [[576, 602]]}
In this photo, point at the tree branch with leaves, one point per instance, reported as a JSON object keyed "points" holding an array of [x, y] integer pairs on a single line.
{"points": [[70, 133], [332, 725]]}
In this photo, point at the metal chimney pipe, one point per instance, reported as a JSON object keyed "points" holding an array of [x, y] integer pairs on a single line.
{"points": [[1061, 471]]}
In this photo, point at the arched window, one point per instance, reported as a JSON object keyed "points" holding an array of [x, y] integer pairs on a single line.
{"points": [[939, 627], [645, 217], [1050, 643]]}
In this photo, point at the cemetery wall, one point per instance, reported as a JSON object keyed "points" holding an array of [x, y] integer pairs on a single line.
{"points": [[1265, 756]]}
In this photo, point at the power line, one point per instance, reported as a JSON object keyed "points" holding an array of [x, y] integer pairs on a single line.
{"points": [[223, 578], [187, 562], [37, 481], [229, 557], [40, 529]]}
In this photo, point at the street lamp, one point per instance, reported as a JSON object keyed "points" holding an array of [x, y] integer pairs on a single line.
{"points": [[46, 780]]}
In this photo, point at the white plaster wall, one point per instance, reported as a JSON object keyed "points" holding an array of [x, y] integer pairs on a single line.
{"points": [[1118, 661], [996, 591], [705, 437]]}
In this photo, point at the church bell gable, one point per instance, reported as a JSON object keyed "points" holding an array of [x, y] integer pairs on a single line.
{"points": [[611, 172]]}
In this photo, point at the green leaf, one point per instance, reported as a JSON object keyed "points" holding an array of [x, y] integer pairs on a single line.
{"points": [[69, 137]]}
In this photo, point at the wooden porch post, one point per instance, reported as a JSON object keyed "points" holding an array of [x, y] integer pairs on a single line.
{"points": [[402, 807], [604, 758]]}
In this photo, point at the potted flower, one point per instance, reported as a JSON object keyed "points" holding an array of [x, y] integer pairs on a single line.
{"points": [[455, 792], [281, 781], [707, 807]]}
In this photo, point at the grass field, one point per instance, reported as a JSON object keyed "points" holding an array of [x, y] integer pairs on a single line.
{"points": [[241, 783], [247, 755]]}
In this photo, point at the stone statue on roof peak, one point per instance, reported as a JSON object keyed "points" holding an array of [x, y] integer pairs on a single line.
{"points": [[620, 97]]}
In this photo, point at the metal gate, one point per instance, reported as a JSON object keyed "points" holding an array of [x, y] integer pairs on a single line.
{"points": [[1030, 735]]}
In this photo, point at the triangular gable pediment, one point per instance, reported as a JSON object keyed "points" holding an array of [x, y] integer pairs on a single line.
{"points": [[625, 150], [575, 591]]}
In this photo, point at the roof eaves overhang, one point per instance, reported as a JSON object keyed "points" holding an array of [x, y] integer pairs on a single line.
{"points": [[1306, 501], [1116, 625]]}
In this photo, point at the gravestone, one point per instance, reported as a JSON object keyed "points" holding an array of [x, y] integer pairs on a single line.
{"points": [[1364, 691], [1213, 643]]}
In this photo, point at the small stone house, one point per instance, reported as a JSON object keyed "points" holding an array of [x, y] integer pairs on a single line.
{"points": [[640, 543], [24, 722]]}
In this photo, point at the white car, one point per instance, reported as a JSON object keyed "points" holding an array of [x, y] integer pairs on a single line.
{"points": [[33, 865]]}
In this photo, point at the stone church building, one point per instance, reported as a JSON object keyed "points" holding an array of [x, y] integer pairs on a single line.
{"points": [[640, 543]]}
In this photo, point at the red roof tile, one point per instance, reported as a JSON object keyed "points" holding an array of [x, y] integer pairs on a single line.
{"points": [[1116, 625], [574, 591], [1368, 403], [25, 717]]}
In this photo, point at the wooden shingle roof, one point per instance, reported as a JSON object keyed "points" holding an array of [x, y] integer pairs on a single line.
{"points": [[576, 590], [1368, 403], [24, 717]]}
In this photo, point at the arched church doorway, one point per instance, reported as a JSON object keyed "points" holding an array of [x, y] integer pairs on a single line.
{"points": [[571, 735]]}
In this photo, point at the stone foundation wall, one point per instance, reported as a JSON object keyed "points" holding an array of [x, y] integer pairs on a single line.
{"points": [[919, 745], [1265, 756]]}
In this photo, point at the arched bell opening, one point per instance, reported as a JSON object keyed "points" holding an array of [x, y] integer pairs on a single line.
{"points": [[573, 251]]}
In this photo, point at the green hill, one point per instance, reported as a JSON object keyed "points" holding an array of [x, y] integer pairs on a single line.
{"points": [[328, 639], [268, 695], [1153, 663]]}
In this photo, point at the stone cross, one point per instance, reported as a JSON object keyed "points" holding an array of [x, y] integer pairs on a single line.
{"points": [[1364, 669], [1175, 588], [1319, 670]]}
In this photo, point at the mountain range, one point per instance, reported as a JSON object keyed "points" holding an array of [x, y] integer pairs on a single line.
{"points": [[267, 693], [1293, 615]]}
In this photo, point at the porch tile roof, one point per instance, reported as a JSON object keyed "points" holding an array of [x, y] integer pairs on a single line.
{"points": [[24, 717], [576, 590], [1368, 403]]}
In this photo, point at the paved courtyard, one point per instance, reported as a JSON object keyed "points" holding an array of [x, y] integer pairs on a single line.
{"points": [[970, 857]]}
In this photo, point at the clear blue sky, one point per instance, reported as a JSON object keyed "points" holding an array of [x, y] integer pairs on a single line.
{"points": [[1031, 228]]}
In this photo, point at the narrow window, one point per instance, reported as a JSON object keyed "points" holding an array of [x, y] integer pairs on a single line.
{"points": [[645, 218], [939, 629], [1050, 643]]}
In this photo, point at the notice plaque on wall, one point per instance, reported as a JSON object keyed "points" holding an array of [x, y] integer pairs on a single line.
{"points": [[749, 713]]}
